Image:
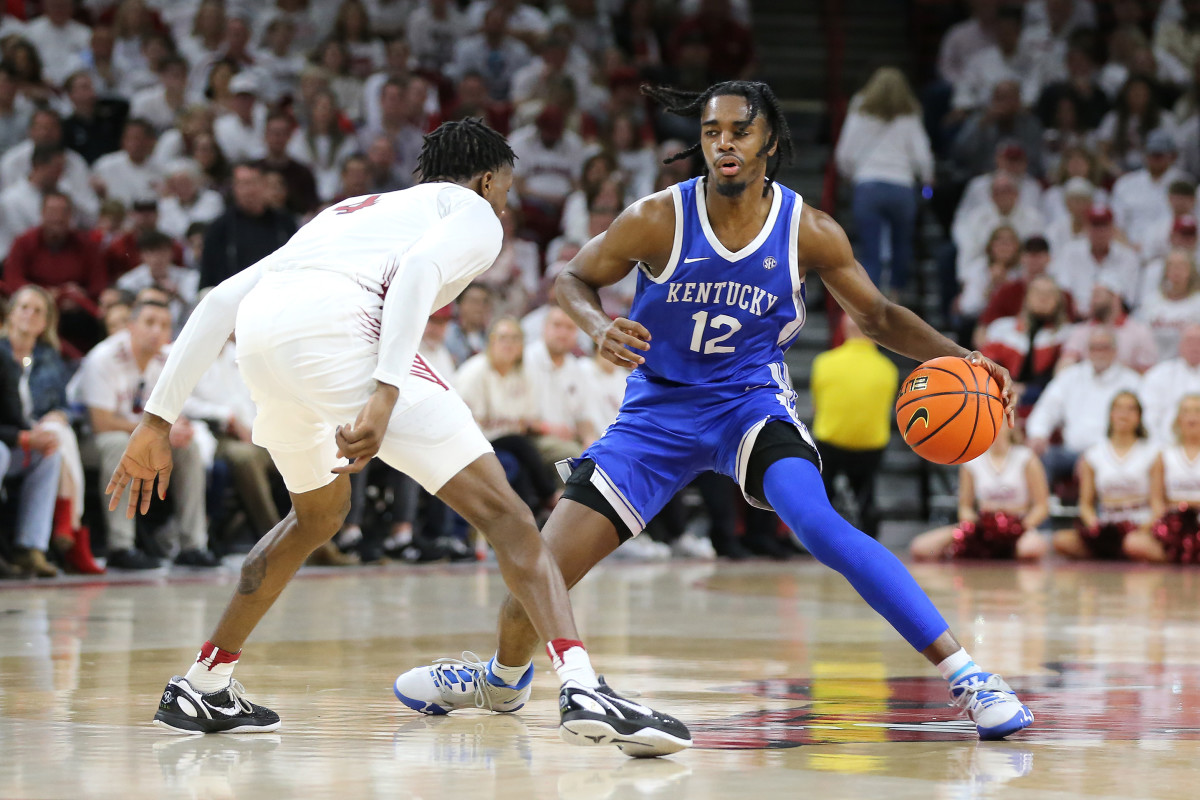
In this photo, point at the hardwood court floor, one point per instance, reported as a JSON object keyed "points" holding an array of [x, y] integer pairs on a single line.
{"points": [[792, 687]]}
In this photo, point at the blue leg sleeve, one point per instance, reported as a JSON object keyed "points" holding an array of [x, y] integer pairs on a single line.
{"points": [[794, 489]]}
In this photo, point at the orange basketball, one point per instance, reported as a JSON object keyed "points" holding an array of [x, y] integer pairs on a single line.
{"points": [[949, 410]]}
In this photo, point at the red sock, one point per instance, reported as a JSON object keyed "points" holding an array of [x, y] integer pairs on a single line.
{"points": [[571, 662], [62, 520], [557, 647], [213, 668]]}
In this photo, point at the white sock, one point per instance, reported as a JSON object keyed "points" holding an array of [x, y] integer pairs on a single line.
{"points": [[574, 665], [509, 675], [213, 669], [956, 665]]}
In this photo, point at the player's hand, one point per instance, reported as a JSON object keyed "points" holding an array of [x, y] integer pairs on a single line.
{"points": [[146, 457], [620, 339], [361, 441], [1001, 376]]}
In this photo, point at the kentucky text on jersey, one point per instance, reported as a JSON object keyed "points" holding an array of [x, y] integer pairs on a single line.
{"points": [[716, 315], [746, 297]]}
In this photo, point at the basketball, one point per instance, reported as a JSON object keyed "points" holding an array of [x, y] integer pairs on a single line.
{"points": [[949, 410]]}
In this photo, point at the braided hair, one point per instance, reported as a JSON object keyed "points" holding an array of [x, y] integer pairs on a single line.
{"points": [[458, 151], [758, 96]]}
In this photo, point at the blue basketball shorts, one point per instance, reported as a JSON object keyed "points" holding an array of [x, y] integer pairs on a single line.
{"points": [[666, 434]]}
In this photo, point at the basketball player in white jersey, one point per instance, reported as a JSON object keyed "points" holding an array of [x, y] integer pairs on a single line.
{"points": [[1007, 480], [1175, 493], [1114, 488], [327, 332]]}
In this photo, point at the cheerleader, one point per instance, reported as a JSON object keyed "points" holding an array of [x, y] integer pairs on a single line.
{"points": [[1175, 494], [1002, 499], [1114, 489]]}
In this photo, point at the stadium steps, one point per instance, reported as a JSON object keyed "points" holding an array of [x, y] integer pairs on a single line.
{"points": [[875, 35]]}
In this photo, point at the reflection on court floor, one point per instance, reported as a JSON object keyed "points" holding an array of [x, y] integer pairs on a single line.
{"points": [[789, 682]]}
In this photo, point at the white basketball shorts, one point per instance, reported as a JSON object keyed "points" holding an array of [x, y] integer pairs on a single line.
{"points": [[307, 357]]}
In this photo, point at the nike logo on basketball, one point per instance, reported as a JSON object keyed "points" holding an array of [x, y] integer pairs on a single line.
{"points": [[922, 415], [690, 260]]}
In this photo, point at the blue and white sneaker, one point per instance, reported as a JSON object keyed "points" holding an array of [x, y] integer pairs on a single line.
{"points": [[453, 683], [991, 704]]}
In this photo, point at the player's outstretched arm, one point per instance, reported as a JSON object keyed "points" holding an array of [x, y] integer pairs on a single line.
{"points": [[644, 232], [199, 343], [824, 249]]}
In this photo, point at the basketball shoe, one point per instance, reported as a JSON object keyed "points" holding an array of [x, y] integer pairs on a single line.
{"points": [[991, 704], [453, 683], [601, 716], [185, 710]]}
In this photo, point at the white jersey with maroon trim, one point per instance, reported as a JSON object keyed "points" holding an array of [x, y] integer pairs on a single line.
{"points": [[1003, 486], [1181, 476], [401, 254], [1122, 482]]}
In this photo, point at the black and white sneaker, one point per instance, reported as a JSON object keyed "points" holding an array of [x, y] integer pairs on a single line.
{"points": [[182, 709], [601, 716]]}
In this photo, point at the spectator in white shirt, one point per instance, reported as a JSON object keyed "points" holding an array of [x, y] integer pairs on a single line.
{"points": [[1154, 239], [185, 201], [240, 134], [1167, 383], [278, 62], [60, 40], [433, 28], [966, 39], [46, 128], [179, 284], [21, 203], [1077, 401], [1184, 235], [1174, 302], [114, 382], [322, 146], [1081, 264], [971, 233], [159, 105], [1136, 347], [400, 120], [884, 149], [549, 158], [1008, 59], [1077, 196], [523, 21], [564, 426], [1010, 158], [1139, 198], [493, 53], [130, 173]]}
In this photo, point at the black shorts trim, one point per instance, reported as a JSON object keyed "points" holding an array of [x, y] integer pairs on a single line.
{"points": [[580, 489], [776, 441]]}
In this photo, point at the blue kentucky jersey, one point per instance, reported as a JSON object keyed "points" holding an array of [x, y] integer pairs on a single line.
{"points": [[717, 316]]}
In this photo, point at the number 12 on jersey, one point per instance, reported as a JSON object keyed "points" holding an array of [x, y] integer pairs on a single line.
{"points": [[718, 322]]}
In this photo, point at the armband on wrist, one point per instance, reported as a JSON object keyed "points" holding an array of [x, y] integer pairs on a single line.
{"points": [[23, 441]]}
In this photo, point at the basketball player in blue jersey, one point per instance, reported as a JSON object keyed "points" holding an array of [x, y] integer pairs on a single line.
{"points": [[722, 261]]}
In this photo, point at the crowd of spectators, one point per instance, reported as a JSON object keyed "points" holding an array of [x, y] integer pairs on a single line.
{"points": [[150, 149], [1065, 145]]}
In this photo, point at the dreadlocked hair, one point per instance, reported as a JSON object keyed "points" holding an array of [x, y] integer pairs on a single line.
{"points": [[759, 97], [460, 150]]}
